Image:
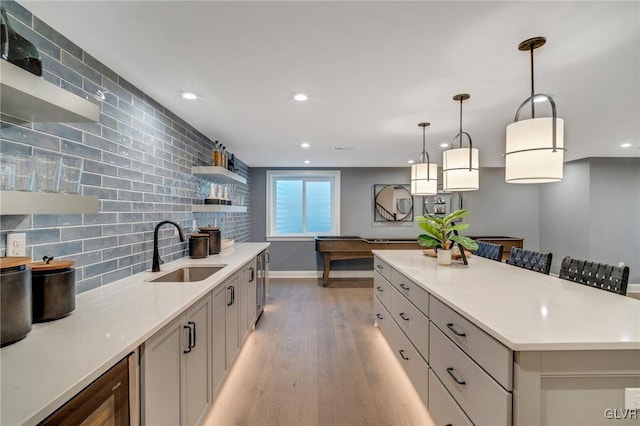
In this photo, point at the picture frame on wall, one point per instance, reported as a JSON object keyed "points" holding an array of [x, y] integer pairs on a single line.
{"points": [[438, 205]]}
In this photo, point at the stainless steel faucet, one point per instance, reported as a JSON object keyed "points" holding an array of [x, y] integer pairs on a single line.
{"points": [[155, 266]]}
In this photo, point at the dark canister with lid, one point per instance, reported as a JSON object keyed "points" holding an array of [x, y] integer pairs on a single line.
{"points": [[15, 299], [198, 246], [53, 284], [214, 238]]}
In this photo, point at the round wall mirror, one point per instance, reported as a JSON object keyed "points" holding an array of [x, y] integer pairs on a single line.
{"points": [[393, 203]]}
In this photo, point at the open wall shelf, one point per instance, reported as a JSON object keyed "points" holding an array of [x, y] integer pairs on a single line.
{"points": [[218, 173], [217, 208], [18, 203], [33, 99]]}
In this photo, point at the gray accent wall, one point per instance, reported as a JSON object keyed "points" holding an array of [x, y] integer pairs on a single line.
{"points": [[594, 213], [138, 160], [495, 209]]}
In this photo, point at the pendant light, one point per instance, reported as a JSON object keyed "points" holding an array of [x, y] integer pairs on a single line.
{"points": [[460, 165], [535, 147], [424, 174]]}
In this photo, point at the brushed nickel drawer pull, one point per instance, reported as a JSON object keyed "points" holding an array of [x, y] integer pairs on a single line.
{"points": [[379, 289], [402, 286], [379, 266], [379, 316], [458, 381], [401, 352], [402, 315], [456, 332]]}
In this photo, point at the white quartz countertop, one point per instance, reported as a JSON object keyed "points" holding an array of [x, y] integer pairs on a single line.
{"points": [[525, 310], [58, 359]]}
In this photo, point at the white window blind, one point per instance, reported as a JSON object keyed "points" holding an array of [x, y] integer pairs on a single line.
{"points": [[302, 204]]}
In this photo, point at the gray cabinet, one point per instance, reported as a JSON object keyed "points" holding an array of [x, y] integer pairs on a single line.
{"points": [[218, 336], [175, 369], [231, 329], [251, 278]]}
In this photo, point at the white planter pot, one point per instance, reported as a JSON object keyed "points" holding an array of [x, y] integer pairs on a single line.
{"points": [[444, 257]]}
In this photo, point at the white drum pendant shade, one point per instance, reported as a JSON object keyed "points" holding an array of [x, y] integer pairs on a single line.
{"points": [[456, 175], [541, 165], [420, 185]]}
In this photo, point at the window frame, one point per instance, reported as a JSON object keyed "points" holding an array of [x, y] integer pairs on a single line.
{"points": [[306, 175]]}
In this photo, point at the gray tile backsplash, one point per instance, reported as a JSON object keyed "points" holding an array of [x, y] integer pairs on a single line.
{"points": [[138, 160]]}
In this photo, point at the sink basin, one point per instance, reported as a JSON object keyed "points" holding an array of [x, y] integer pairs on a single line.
{"points": [[189, 274]]}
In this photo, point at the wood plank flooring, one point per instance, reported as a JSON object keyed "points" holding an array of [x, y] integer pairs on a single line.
{"points": [[316, 359]]}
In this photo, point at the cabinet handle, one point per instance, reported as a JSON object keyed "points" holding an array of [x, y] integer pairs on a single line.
{"points": [[379, 266], [186, 351], [253, 274], [266, 257], [402, 315], [456, 332], [379, 316], [401, 352], [458, 381], [230, 290], [402, 286], [379, 289], [191, 323]]}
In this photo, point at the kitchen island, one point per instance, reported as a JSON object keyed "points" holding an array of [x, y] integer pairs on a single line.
{"points": [[58, 359], [497, 344]]}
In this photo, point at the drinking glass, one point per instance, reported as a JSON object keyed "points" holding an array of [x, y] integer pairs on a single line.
{"points": [[71, 176], [48, 170], [24, 172], [7, 173]]}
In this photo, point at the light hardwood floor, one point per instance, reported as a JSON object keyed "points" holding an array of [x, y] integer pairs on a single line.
{"points": [[316, 358]]}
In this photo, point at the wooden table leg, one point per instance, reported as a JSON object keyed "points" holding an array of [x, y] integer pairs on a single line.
{"points": [[327, 267]]}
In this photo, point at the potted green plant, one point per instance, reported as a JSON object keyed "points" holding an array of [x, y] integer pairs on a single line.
{"points": [[440, 234]]}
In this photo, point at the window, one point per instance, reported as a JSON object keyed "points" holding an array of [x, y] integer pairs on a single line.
{"points": [[302, 204]]}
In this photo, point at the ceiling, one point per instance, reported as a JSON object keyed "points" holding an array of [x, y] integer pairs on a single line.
{"points": [[372, 70]]}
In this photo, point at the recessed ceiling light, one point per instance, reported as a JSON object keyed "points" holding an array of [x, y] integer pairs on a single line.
{"points": [[444, 145], [410, 161], [300, 97], [625, 145], [307, 161], [305, 145], [189, 96]]}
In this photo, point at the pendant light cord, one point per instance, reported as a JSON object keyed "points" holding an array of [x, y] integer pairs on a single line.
{"points": [[425, 154], [533, 108], [460, 133]]}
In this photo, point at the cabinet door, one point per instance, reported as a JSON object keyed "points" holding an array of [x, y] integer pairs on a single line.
{"points": [[161, 362], [251, 294], [241, 300], [198, 362], [232, 320], [218, 339]]}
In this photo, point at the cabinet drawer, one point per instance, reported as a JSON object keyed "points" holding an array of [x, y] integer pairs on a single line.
{"points": [[492, 355], [412, 363], [481, 397], [443, 408], [414, 324], [416, 294], [382, 289], [382, 316], [382, 268]]}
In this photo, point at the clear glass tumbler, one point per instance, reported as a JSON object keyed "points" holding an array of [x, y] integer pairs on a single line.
{"points": [[71, 176], [24, 172], [48, 170], [7, 173]]}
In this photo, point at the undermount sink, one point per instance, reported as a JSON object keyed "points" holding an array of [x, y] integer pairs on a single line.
{"points": [[189, 274]]}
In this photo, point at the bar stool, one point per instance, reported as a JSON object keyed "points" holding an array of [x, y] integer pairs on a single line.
{"points": [[532, 260], [489, 250], [599, 275]]}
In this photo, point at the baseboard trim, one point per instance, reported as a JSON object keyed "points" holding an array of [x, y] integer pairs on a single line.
{"points": [[318, 274]]}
